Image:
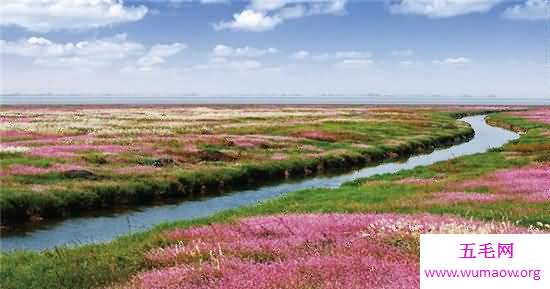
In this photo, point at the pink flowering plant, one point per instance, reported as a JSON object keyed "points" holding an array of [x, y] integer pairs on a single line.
{"points": [[181, 151], [301, 251], [530, 183], [540, 115], [363, 234]]}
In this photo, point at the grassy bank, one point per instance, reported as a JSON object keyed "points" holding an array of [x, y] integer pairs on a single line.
{"points": [[424, 189], [63, 160]]}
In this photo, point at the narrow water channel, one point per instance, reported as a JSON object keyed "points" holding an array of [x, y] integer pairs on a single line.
{"points": [[84, 230]]}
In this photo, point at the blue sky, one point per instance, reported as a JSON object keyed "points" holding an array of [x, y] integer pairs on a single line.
{"points": [[448, 47]]}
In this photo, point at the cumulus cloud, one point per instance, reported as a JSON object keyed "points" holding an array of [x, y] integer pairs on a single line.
{"points": [[99, 52], [453, 61], [158, 54], [227, 51], [530, 10], [89, 54], [250, 20], [225, 57], [442, 8], [267, 5], [265, 15], [48, 15]]}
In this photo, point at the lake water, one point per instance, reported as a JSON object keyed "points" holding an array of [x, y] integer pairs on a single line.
{"points": [[275, 99]]}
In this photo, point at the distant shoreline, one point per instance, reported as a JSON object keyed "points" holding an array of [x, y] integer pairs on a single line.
{"points": [[281, 100]]}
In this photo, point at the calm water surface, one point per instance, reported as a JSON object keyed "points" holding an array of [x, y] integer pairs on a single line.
{"points": [[83, 230], [274, 99]]}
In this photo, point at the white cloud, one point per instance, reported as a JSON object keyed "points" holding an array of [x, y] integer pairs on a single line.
{"points": [[335, 7], [292, 12], [349, 54], [101, 52], [224, 57], [407, 63], [410, 63], [442, 8], [89, 54], [267, 5], [215, 1], [250, 20], [530, 10], [222, 50], [313, 6], [220, 63], [302, 54], [245, 65], [453, 61], [47, 15], [265, 15], [158, 54], [458, 60], [352, 54], [354, 63], [348, 59], [402, 53], [227, 51]]}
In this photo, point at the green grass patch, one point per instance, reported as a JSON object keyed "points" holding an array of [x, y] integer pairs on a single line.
{"points": [[100, 265]]}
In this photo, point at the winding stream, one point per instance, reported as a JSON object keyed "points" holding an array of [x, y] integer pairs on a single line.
{"points": [[84, 230]]}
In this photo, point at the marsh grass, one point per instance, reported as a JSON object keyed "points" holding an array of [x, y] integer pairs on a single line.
{"points": [[189, 166], [99, 265]]}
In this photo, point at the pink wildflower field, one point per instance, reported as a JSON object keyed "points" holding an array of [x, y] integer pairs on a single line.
{"points": [[302, 251], [530, 183], [129, 136], [542, 115], [84, 147]]}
